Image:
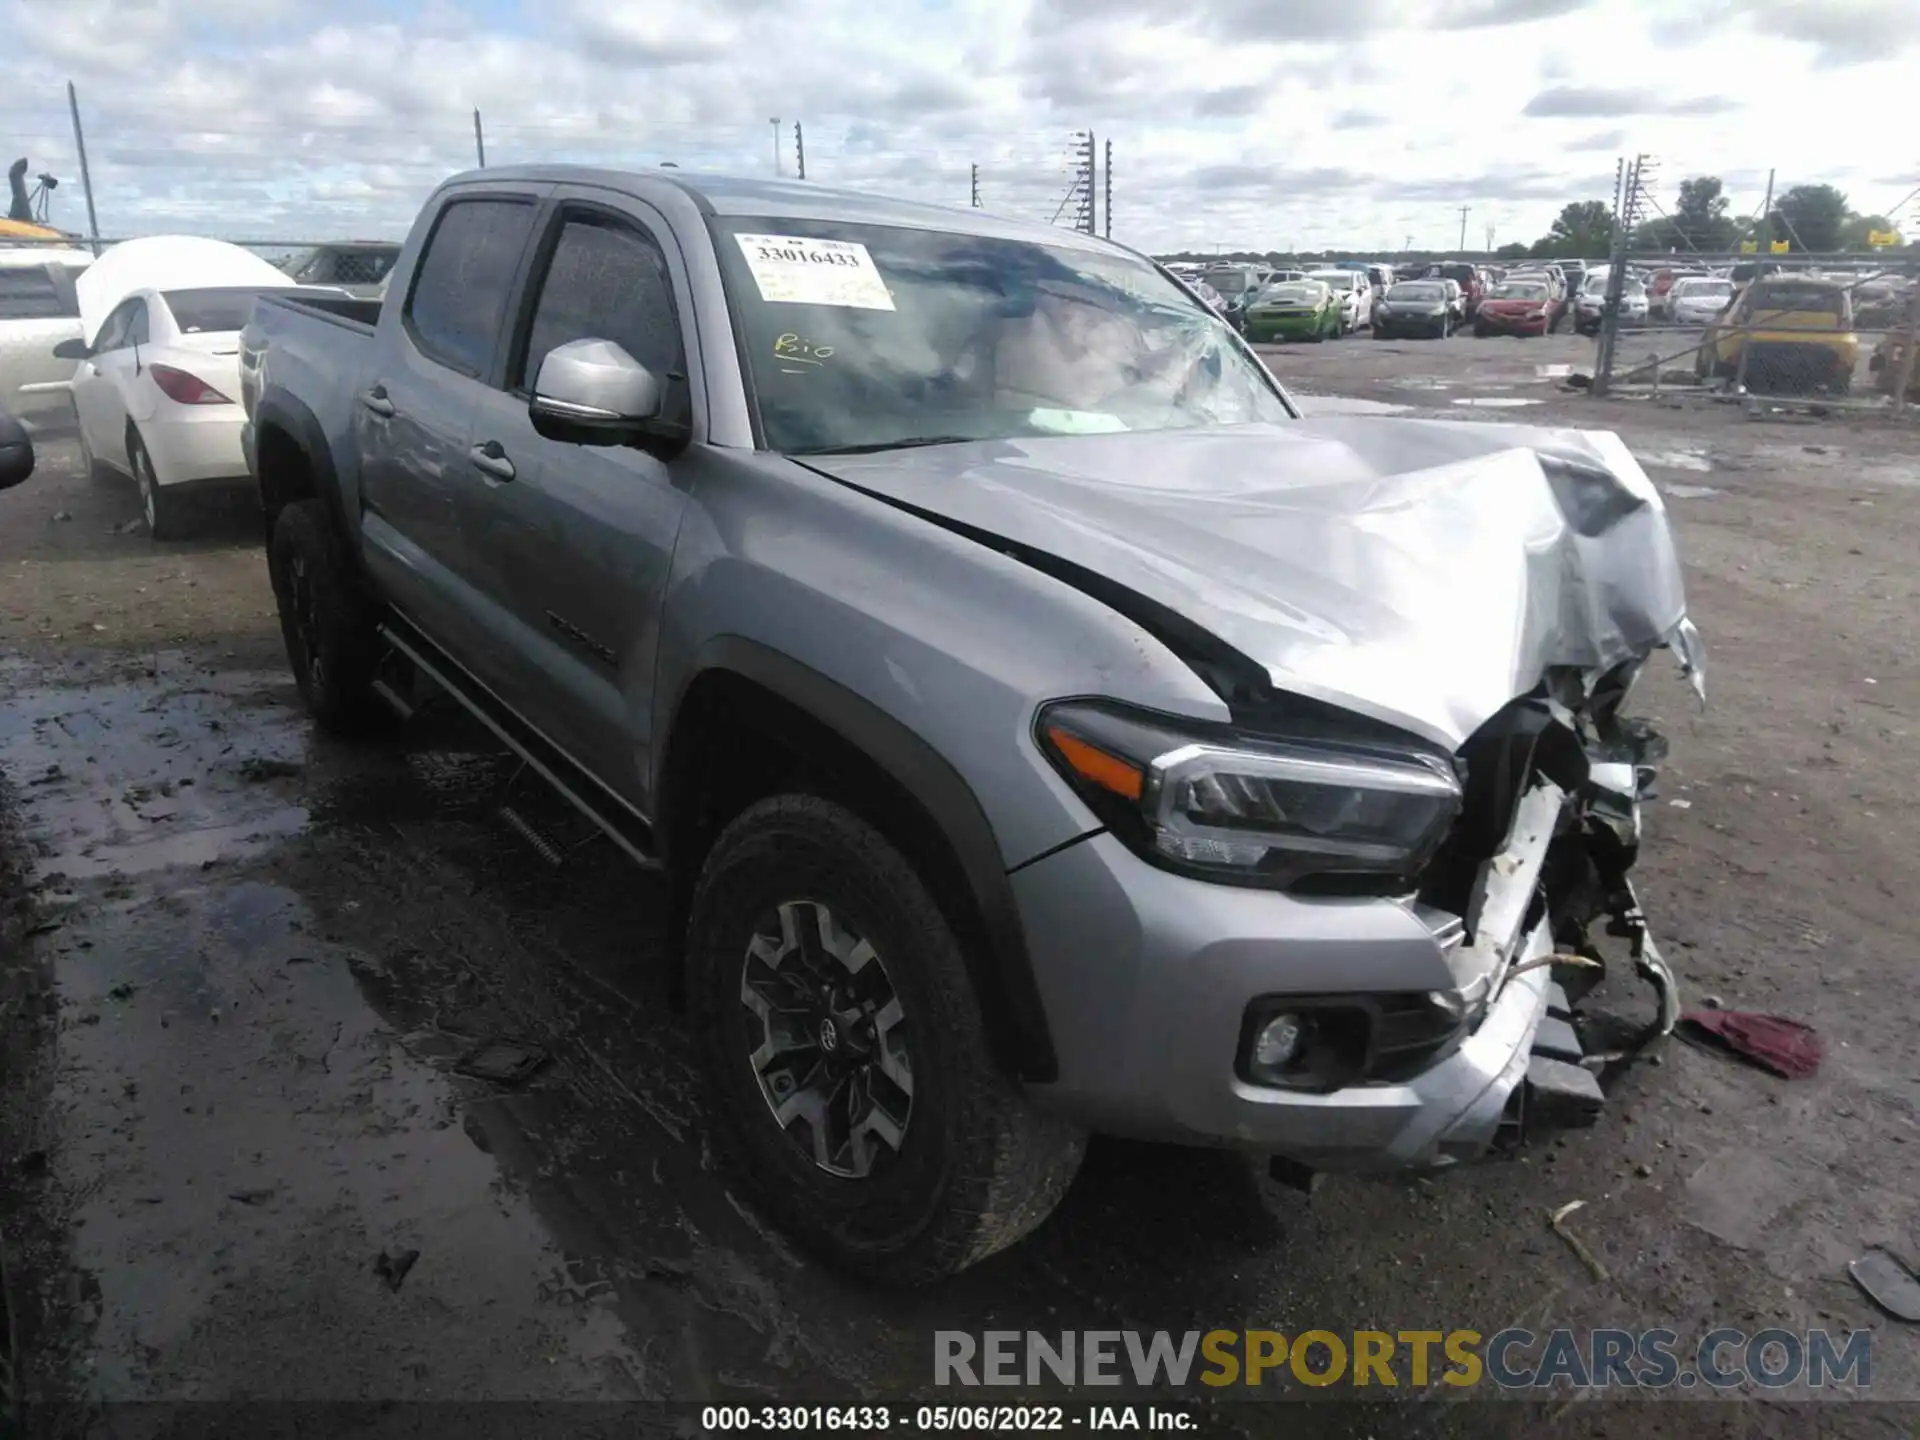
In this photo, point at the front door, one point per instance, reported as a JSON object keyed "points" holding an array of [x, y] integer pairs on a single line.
{"points": [[578, 538], [99, 385], [415, 405]]}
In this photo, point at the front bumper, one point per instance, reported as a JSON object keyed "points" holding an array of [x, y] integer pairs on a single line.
{"points": [[1511, 324], [1287, 327], [1149, 976]]}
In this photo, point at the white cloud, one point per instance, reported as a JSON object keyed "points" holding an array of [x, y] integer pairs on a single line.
{"points": [[1239, 123]]}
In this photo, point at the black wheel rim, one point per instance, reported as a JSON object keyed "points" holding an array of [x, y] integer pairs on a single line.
{"points": [[306, 627], [827, 1039]]}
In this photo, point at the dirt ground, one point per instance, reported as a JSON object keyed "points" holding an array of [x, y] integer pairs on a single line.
{"points": [[240, 965]]}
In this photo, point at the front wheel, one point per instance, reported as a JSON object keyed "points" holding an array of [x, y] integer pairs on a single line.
{"points": [[846, 1055]]}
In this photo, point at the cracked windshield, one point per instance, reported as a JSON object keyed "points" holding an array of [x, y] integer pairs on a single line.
{"points": [[866, 336]]}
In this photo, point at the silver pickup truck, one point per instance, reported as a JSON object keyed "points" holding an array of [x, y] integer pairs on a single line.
{"points": [[1045, 729]]}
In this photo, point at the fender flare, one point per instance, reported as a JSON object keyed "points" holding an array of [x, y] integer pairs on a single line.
{"points": [[1003, 977], [285, 411]]}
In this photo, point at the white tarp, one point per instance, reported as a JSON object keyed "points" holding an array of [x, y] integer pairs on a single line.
{"points": [[166, 262]]}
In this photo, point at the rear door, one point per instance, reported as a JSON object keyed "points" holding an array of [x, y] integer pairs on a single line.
{"points": [[576, 540], [415, 405]]}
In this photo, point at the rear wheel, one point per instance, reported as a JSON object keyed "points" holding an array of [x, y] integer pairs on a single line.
{"points": [[160, 510], [1480, 331], [846, 1056], [329, 622]]}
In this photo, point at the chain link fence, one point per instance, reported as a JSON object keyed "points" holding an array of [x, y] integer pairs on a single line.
{"points": [[1833, 333]]}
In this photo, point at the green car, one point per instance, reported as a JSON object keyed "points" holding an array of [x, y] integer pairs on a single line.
{"points": [[1294, 310]]}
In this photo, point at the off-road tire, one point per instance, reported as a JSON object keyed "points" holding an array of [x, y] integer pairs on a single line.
{"points": [[325, 610], [978, 1167]]}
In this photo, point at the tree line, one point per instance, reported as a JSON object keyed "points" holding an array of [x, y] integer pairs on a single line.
{"points": [[1811, 219], [1815, 219]]}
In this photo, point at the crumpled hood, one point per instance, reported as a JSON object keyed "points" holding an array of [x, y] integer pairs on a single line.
{"points": [[166, 262], [1421, 572]]}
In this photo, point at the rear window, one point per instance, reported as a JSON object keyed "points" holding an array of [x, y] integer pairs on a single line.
{"points": [[211, 312], [347, 267], [1807, 299], [30, 294], [1418, 291]]}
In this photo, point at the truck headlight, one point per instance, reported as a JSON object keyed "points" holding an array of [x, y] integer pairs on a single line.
{"points": [[1252, 809]]}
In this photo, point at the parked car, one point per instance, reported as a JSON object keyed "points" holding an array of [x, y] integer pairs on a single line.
{"points": [[1523, 306], [1554, 276], [1351, 289], [1471, 280], [1296, 310], [1236, 284], [38, 312], [1698, 299], [16, 451], [1026, 729], [1796, 334], [155, 388], [1877, 302], [355, 266], [1414, 308], [1590, 307], [1215, 301]]}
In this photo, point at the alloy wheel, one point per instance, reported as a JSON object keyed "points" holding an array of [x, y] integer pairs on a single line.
{"points": [[306, 622], [829, 1037]]}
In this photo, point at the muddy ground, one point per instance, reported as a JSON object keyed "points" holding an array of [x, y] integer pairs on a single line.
{"points": [[241, 963]]}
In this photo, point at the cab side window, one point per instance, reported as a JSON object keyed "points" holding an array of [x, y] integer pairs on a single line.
{"points": [[459, 298], [605, 280]]}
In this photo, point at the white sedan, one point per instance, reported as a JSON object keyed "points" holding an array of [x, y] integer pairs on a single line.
{"points": [[157, 387]]}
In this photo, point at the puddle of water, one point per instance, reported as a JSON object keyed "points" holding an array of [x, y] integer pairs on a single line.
{"points": [[1691, 492], [1678, 459], [1422, 382], [140, 775], [1553, 372], [1495, 402]]}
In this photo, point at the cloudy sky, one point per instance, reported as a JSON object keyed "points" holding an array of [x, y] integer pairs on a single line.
{"points": [[1235, 123]]}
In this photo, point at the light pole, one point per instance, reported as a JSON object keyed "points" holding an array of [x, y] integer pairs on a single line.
{"points": [[775, 122]]}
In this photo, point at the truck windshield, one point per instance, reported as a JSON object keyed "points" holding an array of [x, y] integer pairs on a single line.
{"points": [[869, 337]]}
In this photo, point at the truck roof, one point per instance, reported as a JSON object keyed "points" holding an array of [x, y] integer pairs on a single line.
{"points": [[719, 194]]}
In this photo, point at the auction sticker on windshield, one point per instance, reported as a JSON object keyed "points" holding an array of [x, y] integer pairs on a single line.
{"points": [[798, 270]]}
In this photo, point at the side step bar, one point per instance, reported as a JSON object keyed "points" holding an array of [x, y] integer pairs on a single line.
{"points": [[622, 825]]}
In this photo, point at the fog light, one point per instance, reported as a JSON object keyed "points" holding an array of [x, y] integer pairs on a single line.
{"points": [[1278, 1043]]}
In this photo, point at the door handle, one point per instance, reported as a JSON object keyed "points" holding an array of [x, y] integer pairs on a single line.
{"points": [[376, 400], [491, 458]]}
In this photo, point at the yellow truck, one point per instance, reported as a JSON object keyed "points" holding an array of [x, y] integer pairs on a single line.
{"points": [[1796, 334]]}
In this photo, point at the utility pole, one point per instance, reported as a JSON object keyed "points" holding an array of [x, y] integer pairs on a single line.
{"points": [[800, 149], [1631, 189], [86, 176], [479, 139], [1766, 217], [1085, 181], [775, 122], [1463, 228], [1108, 232], [976, 187], [1489, 239]]}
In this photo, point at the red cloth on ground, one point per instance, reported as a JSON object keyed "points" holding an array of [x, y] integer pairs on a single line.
{"points": [[1774, 1043]]}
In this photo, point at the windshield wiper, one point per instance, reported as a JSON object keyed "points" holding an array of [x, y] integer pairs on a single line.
{"points": [[911, 442]]}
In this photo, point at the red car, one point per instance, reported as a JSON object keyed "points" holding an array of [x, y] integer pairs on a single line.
{"points": [[1471, 279], [1524, 306]]}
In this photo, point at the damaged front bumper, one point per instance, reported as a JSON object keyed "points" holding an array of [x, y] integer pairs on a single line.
{"points": [[1458, 996]]}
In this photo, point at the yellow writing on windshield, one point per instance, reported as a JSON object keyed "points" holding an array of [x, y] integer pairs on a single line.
{"points": [[796, 354]]}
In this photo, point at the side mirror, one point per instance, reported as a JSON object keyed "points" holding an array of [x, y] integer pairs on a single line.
{"points": [[16, 452], [71, 349], [592, 392]]}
